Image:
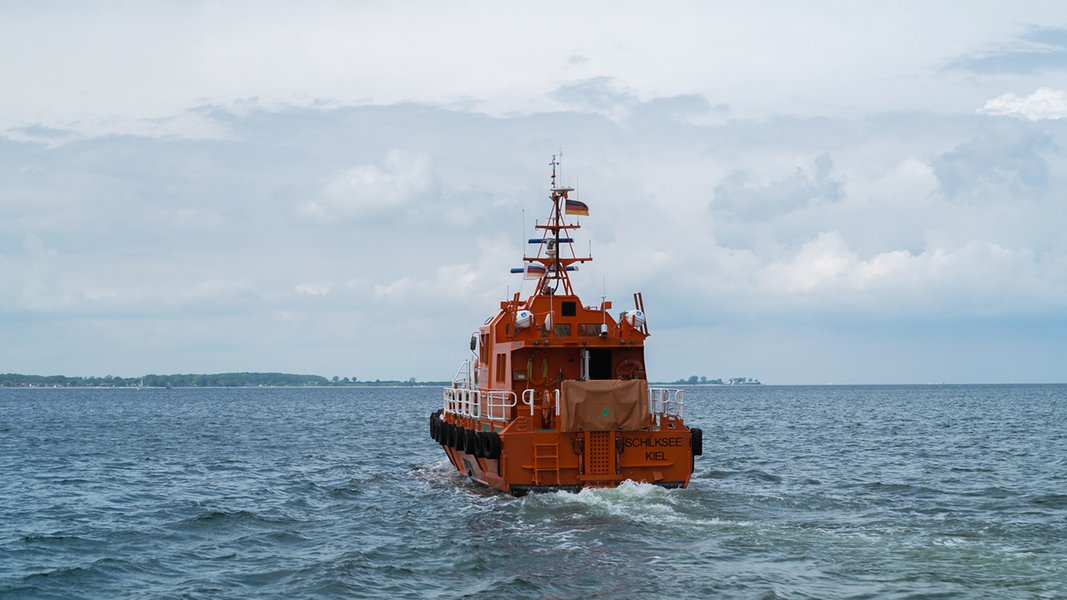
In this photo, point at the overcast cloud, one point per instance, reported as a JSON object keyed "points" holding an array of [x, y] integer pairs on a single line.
{"points": [[837, 192]]}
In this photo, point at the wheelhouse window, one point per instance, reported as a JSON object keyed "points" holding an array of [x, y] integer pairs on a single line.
{"points": [[589, 329], [501, 366]]}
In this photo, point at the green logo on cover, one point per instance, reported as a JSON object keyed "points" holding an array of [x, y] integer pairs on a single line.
{"points": [[604, 412]]}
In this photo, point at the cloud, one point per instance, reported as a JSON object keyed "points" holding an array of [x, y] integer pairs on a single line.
{"points": [[369, 190], [605, 96], [320, 288], [1045, 103], [970, 279], [312, 192], [996, 165], [1039, 49], [39, 134], [600, 95], [743, 197]]}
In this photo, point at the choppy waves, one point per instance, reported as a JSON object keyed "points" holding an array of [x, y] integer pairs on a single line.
{"points": [[860, 492]]}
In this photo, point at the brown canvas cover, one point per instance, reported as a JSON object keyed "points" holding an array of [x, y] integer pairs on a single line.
{"points": [[603, 405]]}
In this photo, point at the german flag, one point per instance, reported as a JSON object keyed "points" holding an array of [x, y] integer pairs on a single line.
{"points": [[575, 207], [533, 271]]}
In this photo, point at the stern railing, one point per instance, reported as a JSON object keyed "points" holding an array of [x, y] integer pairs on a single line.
{"points": [[666, 402], [467, 402], [464, 401]]}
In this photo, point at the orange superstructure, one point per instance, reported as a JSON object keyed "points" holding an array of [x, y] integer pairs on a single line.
{"points": [[555, 394]]}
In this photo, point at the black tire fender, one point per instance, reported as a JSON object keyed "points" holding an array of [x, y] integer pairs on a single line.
{"points": [[479, 444], [493, 445], [470, 441], [434, 422]]}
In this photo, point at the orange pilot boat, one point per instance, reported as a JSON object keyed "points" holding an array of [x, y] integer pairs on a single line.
{"points": [[555, 396]]}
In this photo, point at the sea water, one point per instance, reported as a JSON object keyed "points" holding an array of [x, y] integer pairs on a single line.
{"points": [[802, 492]]}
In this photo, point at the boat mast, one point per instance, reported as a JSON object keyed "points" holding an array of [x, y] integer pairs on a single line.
{"points": [[558, 196], [549, 264], [550, 255]]}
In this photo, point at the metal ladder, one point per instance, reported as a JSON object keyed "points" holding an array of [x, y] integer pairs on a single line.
{"points": [[546, 460]]}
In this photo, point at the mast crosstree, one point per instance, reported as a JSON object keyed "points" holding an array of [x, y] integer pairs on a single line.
{"points": [[550, 263]]}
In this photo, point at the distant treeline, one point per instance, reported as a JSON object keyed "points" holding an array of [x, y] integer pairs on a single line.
{"points": [[194, 380], [254, 380], [694, 380]]}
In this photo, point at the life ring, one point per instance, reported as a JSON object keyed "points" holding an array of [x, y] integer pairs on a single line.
{"points": [[631, 368], [537, 376]]}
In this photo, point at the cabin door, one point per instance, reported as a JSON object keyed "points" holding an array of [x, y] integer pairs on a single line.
{"points": [[599, 363]]}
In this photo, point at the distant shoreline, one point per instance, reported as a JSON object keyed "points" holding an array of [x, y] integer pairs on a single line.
{"points": [[441, 384], [257, 380], [193, 380]]}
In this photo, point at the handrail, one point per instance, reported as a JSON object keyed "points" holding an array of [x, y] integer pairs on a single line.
{"points": [[467, 402], [494, 405], [528, 399], [666, 401], [462, 378], [462, 401], [497, 404]]}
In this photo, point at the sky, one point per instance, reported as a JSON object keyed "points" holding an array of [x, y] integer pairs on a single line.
{"points": [[804, 193]]}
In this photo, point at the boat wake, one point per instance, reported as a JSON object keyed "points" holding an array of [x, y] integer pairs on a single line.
{"points": [[630, 502]]}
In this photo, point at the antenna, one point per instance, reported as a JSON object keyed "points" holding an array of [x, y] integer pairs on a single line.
{"points": [[604, 294], [604, 311]]}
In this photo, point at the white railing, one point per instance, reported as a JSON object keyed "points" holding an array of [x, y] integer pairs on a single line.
{"points": [[462, 401], [528, 399], [462, 378], [466, 402], [496, 405], [666, 401]]}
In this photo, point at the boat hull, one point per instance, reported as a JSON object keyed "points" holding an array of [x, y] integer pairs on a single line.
{"points": [[530, 460]]}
